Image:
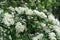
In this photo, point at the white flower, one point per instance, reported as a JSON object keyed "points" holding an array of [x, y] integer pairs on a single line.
{"points": [[43, 24], [8, 19], [28, 12], [36, 12], [19, 27], [57, 22], [44, 10], [34, 38], [57, 30], [20, 10], [52, 36], [46, 28], [51, 17], [41, 14], [38, 37], [11, 8]]}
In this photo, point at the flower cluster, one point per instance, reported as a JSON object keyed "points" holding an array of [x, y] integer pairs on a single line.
{"points": [[24, 21], [38, 37], [8, 19], [19, 27], [52, 36]]}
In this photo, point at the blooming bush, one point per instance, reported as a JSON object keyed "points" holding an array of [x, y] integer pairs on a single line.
{"points": [[29, 20], [22, 23]]}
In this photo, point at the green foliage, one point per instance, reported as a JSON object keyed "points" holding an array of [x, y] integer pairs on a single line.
{"points": [[33, 24], [33, 4]]}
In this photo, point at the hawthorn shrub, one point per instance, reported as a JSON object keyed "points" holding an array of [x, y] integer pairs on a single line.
{"points": [[28, 20]]}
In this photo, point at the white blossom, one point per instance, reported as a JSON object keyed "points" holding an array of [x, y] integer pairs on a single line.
{"points": [[46, 29], [44, 10], [38, 37], [41, 14], [51, 17], [20, 10], [11, 8], [19, 27], [8, 19], [29, 12], [57, 22], [34, 38], [52, 36], [43, 24], [52, 30], [57, 30]]}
